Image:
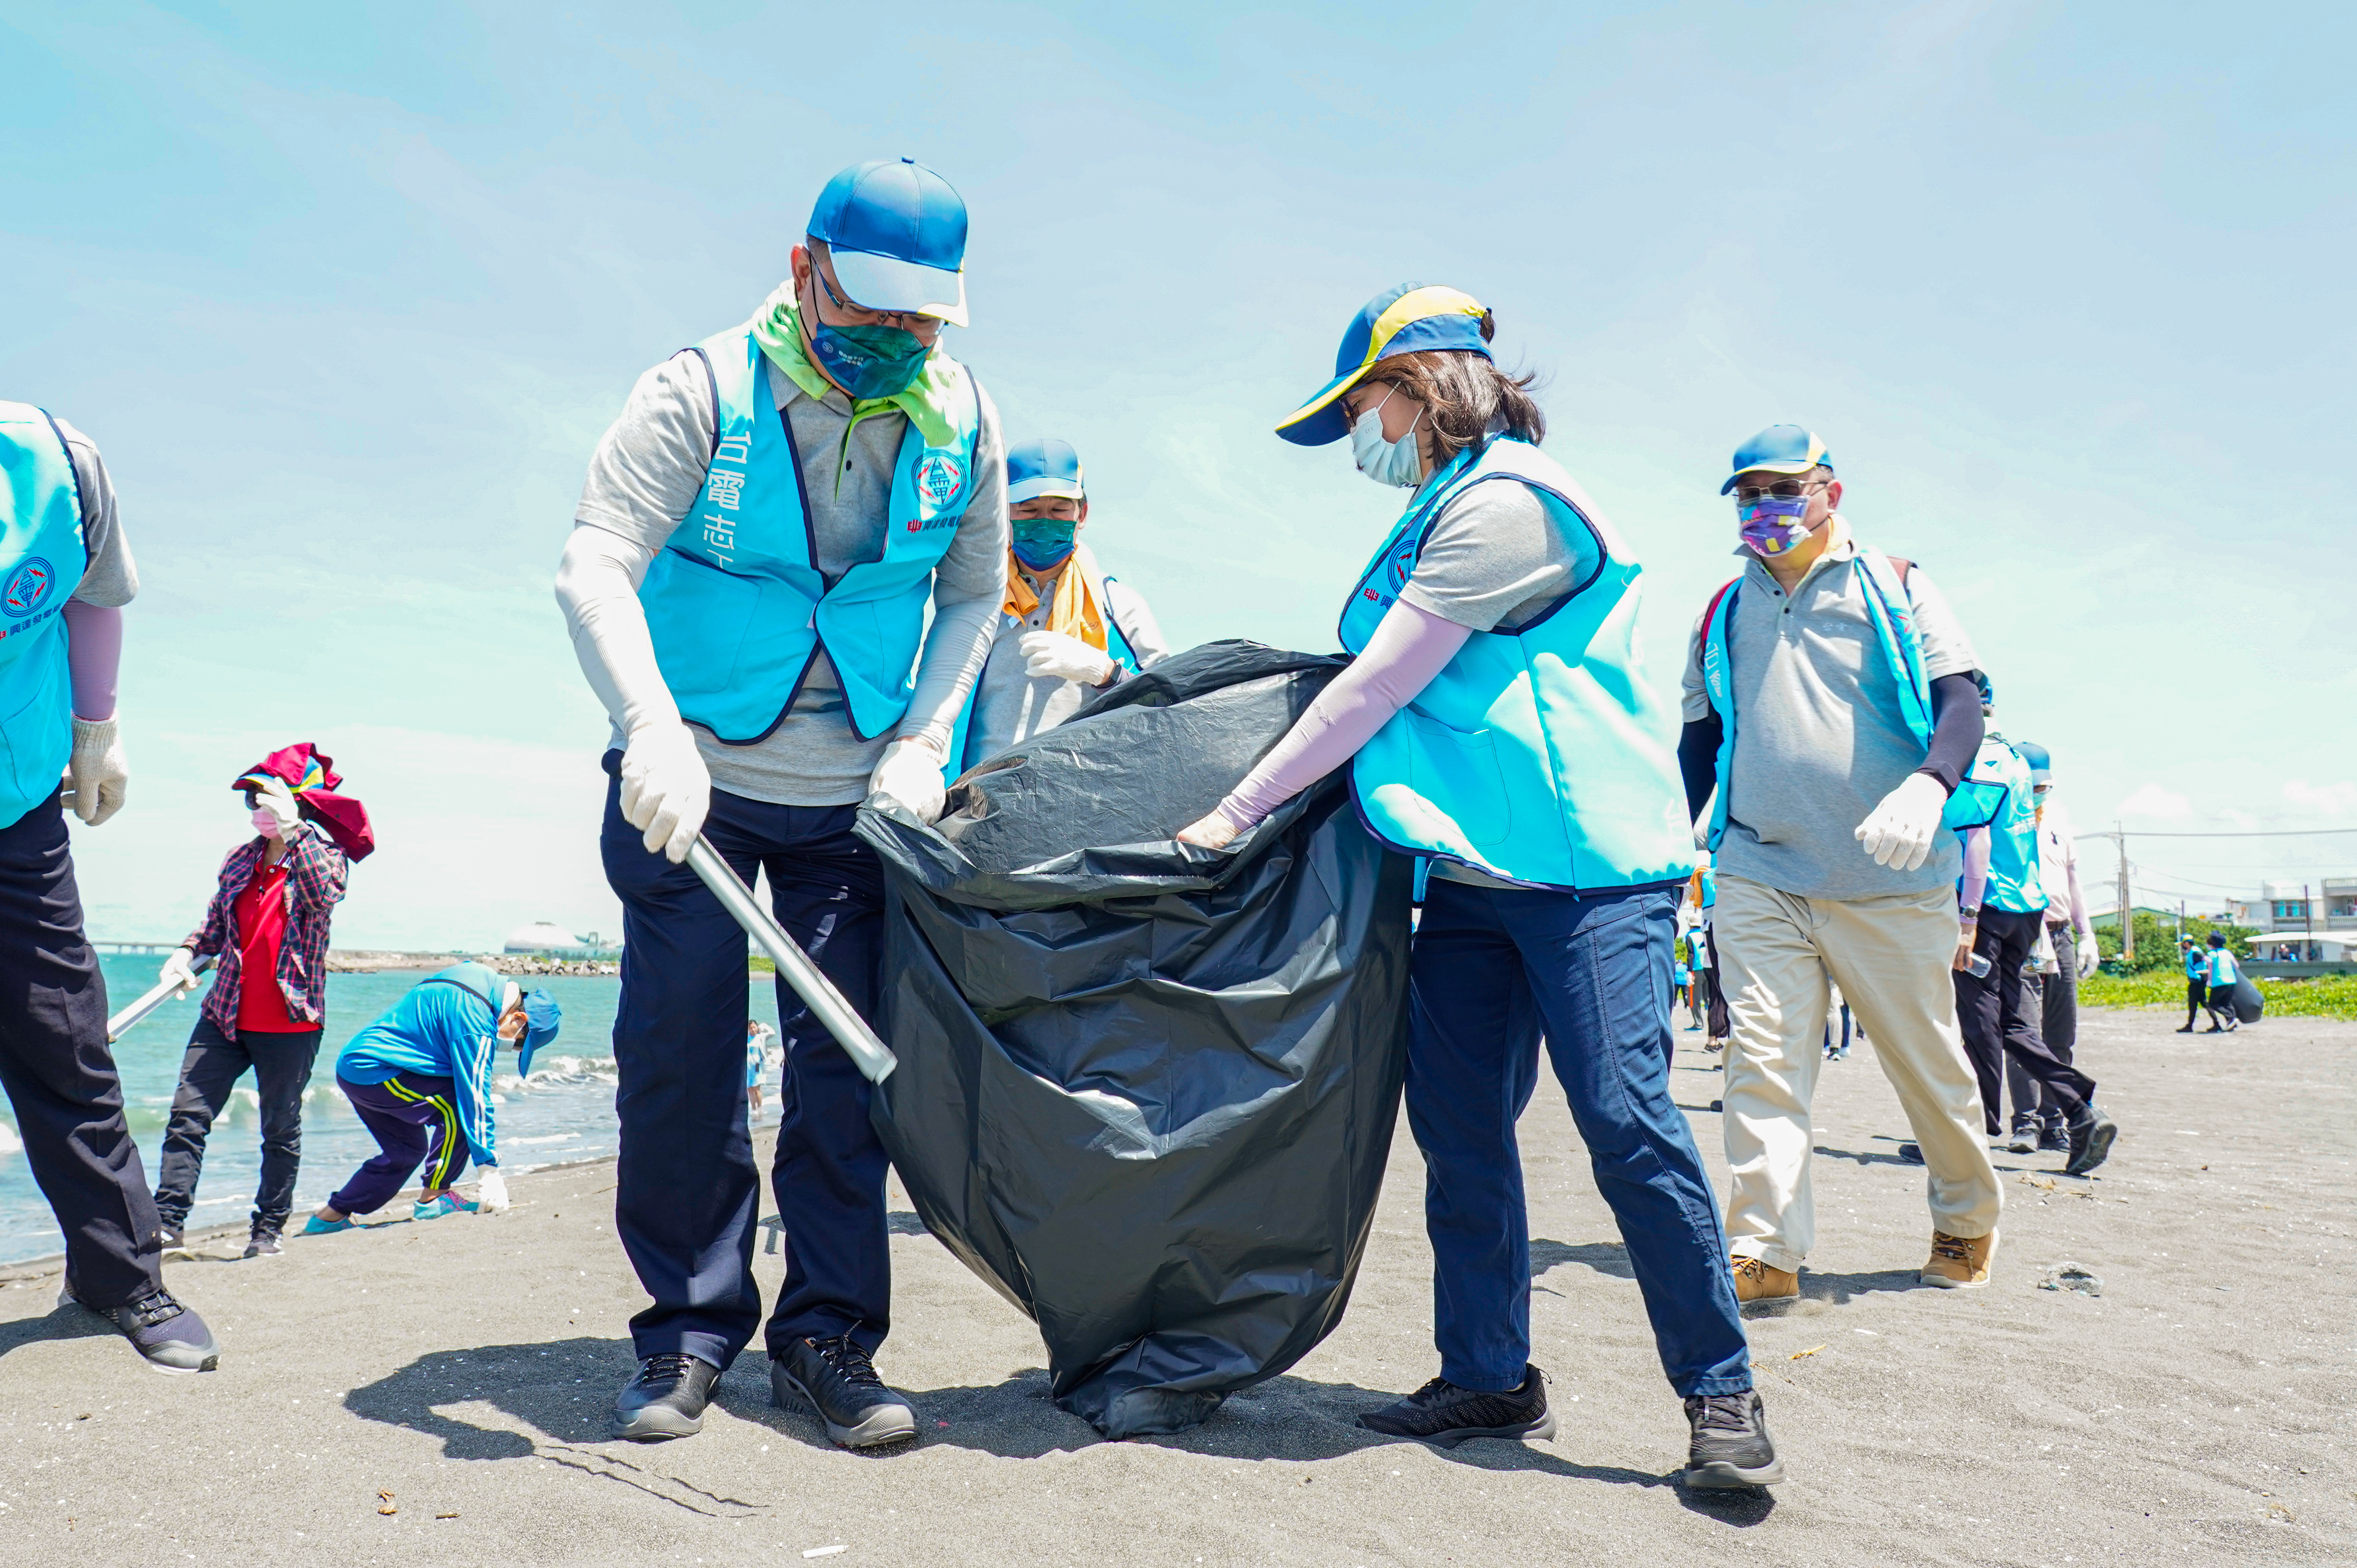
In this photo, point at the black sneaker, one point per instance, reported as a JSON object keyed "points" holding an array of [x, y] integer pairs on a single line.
{"points": [[173, 1239], [1442, 1413], [169, 1335], [835, 1377], [2024, 1138], [1730, 1447], [2090, 1143], [2053, 1137], [1912, 1153], [666, 1398], [264, 1244]]}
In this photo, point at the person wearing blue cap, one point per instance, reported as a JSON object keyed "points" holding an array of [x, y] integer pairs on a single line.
{"points": [[1066, 631], [2071, 956], [1497, 727], [420, 1080], [1831, 712], [782, 581], [2001, 904]]}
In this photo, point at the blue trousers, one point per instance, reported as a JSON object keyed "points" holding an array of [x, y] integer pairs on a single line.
{"points": [[1493, 971], [688, 1197], [414, 1117]]}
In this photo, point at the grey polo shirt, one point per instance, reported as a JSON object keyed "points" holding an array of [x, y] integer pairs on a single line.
{"points": [[1010, 705], [1819, 737], [110, 579]]}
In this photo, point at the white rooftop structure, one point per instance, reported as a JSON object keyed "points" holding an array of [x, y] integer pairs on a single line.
{"points": [[540, 937]]}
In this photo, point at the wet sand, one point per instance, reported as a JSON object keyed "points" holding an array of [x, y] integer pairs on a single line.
{"points": [[2197, 1411]]}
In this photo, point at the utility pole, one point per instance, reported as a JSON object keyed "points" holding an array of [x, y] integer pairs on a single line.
{"points": [[2127, 918], [2308, 907]]}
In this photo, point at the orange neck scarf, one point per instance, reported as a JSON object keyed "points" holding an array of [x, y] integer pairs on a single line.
{"points": [[1077, 609]]}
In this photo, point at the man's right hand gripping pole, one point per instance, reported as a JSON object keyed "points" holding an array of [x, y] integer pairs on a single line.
{"points": [[666, 788]]}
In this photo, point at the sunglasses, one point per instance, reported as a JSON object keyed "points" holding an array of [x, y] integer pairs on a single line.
{"points": [[1783, 491]]}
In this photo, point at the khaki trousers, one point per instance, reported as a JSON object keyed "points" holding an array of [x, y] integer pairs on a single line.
{"points": [[1890, 956]]}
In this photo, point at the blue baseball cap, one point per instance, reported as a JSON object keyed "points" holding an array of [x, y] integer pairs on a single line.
{"points": [[541, 1017], [1048, 466], [896, 232], [1409, 320], [2042, 763], [1779, 449]]}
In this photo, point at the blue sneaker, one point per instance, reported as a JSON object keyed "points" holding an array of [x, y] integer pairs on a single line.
{"points": [[315, 1226], [442, 1204]]}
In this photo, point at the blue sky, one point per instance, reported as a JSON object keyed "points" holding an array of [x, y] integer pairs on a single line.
{"points": [[347, 294]]}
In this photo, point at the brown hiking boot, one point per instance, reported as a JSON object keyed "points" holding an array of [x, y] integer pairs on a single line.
{"points": [[1959, 1262], [1757, 1283]]}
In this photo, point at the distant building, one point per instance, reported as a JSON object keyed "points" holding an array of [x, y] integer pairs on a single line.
{"points": [[2326, 904], [542, 940]]}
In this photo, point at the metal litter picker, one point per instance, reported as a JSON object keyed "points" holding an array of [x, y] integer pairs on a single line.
{"points": [[870, 1055], [120, 1024]]}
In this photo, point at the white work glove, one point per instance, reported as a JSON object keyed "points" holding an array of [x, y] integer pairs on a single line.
{"points": [[666, 788], [279, 802], [492, 1191], [180, 969], [2091, 957], [96, 774], [1056, 657], [911, 773], [1898, 832]]}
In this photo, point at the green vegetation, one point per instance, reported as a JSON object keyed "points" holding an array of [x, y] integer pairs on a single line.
{"points": [[2156, 942], [2325, 996]]}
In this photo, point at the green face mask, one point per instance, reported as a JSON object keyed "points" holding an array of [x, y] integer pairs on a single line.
{"points": [[1041, 541], [865, 361]]}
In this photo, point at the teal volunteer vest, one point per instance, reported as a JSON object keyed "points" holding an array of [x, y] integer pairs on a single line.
{"points": [[42, 557], [1891, 610], [1539, 753], [2001, 776], [735, 603]]}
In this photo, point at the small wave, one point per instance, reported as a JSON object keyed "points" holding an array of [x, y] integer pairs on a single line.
{"points": [[9, 1143]]}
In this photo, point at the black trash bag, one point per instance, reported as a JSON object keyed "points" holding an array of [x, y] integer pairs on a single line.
{"points": [[2250, 1001], [1148, 1091]]}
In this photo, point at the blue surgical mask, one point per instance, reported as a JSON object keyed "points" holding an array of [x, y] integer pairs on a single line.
{"points": [[1772, 527], [1041, 541], [1386, 462]]}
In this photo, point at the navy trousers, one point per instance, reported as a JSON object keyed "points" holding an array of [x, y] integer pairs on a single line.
{"points": [[59, 1073], [1492, 972], [688, 1195], [281, 1065], [410, 1115]]}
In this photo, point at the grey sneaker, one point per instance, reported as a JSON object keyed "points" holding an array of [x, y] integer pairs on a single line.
{"points": [[1446, 1415], [1730, 1445], [666, 1398], [169, 1335], [836, 1378], [263, 1244]]}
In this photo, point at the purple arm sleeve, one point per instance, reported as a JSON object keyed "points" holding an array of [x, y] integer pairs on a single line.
{"points": [[94, 655], [1409, 647], [1976, 865]]}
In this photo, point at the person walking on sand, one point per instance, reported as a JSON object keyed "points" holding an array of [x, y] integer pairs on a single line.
{"points": [[2197, 979], [65, 574], [1831, 712], [1502, 603], [1067, 630], [420, 1080], [268, 922], [757, 1037], [2223, 975], [2000, 911], [781, 579], [2071, 939]]}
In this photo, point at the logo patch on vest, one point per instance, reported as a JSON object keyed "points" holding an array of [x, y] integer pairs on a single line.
{"points": [[28, 588], [939, 476]]}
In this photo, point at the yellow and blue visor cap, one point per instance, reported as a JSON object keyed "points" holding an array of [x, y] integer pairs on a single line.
{"points": [[1410, 319], [1049, 467], [1779, 449]]}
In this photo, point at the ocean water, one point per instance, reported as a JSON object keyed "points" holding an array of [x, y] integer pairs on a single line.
{"points": [[564, 1112]]}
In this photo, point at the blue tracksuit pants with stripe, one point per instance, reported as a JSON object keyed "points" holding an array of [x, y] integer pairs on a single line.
{"points": [[415, 1120]]}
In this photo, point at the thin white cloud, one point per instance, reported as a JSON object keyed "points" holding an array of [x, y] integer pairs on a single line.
{"points": [[2153, 803]]}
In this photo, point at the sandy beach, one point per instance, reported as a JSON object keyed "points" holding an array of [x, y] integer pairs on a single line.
{"points": [[435, 1393]]}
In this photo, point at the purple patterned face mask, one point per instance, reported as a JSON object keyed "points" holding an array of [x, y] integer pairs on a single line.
{"points": [[1772, 526]]}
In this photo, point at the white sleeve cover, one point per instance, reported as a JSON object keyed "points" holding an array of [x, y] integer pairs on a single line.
{"points": [[598, 588], [957, 644]]}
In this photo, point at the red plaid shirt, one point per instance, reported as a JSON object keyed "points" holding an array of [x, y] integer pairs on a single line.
{"points": [[316, 873]]}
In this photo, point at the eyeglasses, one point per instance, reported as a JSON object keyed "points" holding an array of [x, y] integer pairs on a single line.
{"points": [[1783, 491], [904, 319]]}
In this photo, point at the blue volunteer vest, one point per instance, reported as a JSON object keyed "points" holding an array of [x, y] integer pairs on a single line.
{"points": [[735, 603], [42, 557], [1539, 753], [1891, 609], [2196, 964], [2224, 970], [2001, 778]]}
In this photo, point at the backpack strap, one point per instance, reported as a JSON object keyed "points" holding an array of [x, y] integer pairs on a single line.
{"points": [[1702, 627], [1901, 565]]}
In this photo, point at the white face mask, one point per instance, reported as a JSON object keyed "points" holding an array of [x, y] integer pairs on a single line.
{"points": [[1386, 462]]}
